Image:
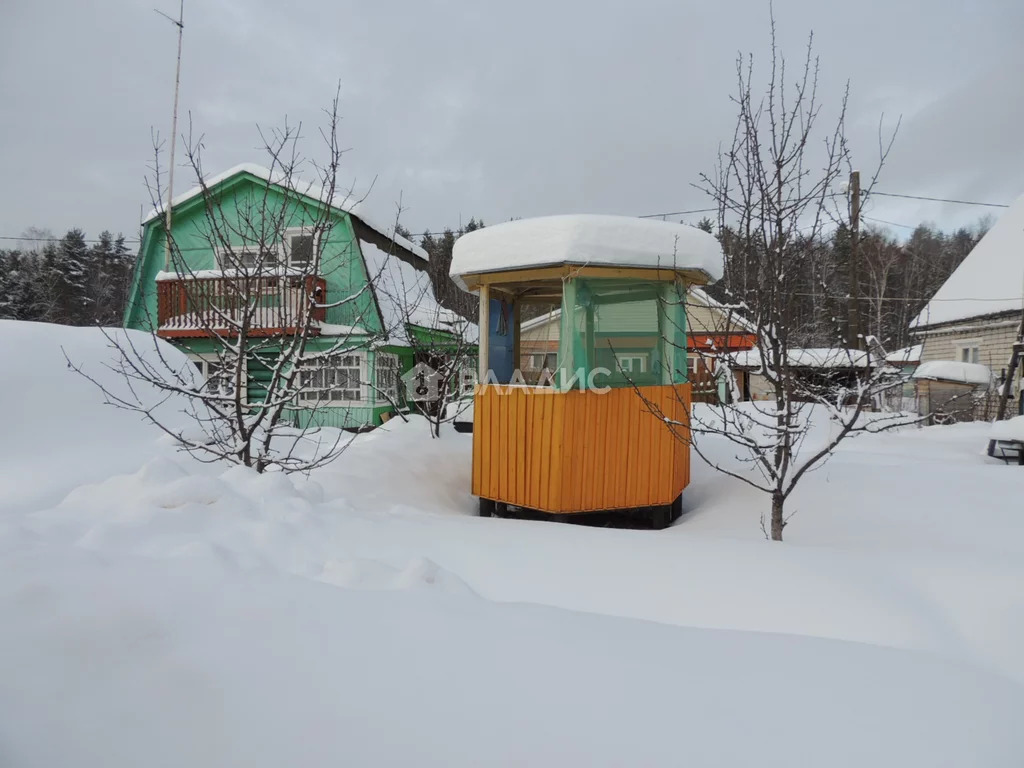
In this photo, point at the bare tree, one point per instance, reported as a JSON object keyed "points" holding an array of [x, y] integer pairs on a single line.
{"points": [[260, 308], [445, 369], [775, 188], [442, 341]]}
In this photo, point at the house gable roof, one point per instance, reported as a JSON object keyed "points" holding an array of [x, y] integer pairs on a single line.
{"points": [[311, 190], [989, 281], [395, 267]]}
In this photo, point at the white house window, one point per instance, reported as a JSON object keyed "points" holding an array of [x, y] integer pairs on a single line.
{"points": [[968, 352], [300, 248], [387, 377], [467, 380], [218, 375], [247, 257], [632, 363], [333, 380]]}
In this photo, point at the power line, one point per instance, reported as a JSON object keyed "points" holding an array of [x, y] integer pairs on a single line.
{"points": [[435, 233], [442, 230], [940, 200], [58, 239], [907, 298], [676, 213], [890, 223]]}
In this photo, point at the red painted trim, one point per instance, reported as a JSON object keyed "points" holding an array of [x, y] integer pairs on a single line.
{"points": [[730, 342]]}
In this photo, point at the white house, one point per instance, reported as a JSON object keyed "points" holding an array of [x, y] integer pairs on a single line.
{"points": [[975, 316]]}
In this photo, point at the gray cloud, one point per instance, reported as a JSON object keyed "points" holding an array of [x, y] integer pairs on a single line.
{"points": [[495, 109]]}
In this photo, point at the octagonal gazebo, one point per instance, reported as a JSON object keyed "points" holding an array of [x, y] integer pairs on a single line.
{"points": [[586, 438]]}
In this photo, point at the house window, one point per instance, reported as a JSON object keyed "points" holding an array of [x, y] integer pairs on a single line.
{"points": [[467, 380], [247, 257], [332, 380], [549, 361], [387, 377], [300, 249], [970, 355], [218, 375], [632, 363], [968, 351]]}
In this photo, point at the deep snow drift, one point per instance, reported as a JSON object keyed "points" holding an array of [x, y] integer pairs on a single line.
{"points": [[157, 611]]}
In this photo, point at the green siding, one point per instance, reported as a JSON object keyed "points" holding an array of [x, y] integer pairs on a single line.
{"points": [[236, 199]]}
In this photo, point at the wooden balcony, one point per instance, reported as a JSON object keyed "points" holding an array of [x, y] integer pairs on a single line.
{"points": [[198, 306]]}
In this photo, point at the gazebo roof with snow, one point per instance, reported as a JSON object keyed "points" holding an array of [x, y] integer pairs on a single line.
{"points": [[586, 240], [989, 281]]}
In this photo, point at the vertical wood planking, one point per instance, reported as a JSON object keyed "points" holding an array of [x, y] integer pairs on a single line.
{"points": [[577, 451], [478, 420], [557, 460], [567, 452]]}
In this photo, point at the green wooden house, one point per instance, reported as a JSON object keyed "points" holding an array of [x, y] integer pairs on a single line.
{"points": [[379, 309]]}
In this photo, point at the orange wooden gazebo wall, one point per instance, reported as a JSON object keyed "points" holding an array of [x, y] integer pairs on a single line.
{"points": [[580, 451]]}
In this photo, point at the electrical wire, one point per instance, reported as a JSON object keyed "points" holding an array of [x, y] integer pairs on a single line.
{"points": [[940, 200], [640, 216]]}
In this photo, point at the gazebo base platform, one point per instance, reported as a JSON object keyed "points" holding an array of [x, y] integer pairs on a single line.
{"points": [[657, 517]]}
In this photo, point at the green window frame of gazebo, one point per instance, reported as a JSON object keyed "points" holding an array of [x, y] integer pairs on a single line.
{"points": [[606, 321]]}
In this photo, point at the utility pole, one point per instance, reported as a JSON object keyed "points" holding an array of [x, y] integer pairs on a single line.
{"points": [[179, 23], [855, 340]]}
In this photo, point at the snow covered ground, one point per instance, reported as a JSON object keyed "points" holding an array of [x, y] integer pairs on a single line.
{"points": [[161, 612]]}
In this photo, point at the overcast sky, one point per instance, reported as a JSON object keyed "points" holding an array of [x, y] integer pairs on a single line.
{"points": [[495, 110]]}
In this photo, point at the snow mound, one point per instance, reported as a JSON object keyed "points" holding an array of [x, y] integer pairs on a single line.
{"points": [[1010, 429], [420, 573], [60, 434], [951, 370], [594, 240], [122, 661]]}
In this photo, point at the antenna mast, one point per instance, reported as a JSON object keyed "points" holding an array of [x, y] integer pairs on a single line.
{"points": [[179, 23]]}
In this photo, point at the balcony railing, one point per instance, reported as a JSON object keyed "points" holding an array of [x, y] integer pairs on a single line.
{"points": [[198, 306]]}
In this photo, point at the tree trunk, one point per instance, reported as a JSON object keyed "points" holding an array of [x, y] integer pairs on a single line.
{"points": [[778, 523]]}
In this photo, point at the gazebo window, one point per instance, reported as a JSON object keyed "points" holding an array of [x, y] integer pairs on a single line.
{"points": [[621, 333]]}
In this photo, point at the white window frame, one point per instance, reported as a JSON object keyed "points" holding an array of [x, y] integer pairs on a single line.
{"points": [[620, 358], [286, 246], [205, 360], [221, 252], [322, 396], [387, 395], [963, 345]]}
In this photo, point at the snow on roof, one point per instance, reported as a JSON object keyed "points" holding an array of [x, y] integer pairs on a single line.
{"points": [[342, 201], [701, 296], [910, 354], [951, 370], [822, 357], [547, 317], [597, 240], [406, 297], [989, 280], [1009, 429]]}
